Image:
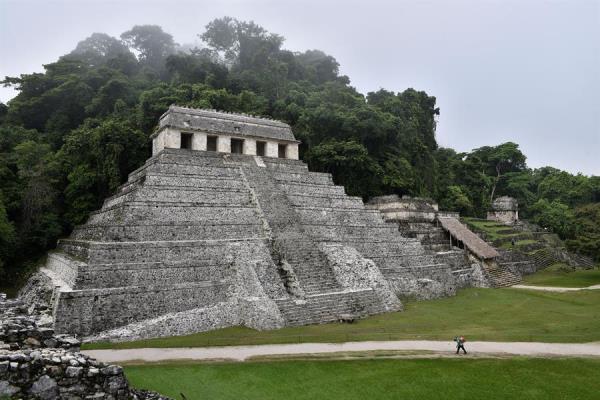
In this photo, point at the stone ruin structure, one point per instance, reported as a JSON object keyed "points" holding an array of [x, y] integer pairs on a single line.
{"points": [[224, 226], [453, 247], [504, 209], [36, 363], [474, 262]]}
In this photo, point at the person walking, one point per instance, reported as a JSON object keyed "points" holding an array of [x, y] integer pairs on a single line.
{"points": [[460, 344]]}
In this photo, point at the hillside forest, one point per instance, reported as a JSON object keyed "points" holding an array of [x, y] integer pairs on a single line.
{"points": [[74, 132]]}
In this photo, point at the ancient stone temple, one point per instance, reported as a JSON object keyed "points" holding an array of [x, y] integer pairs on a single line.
{"points": [[455, 249], [504, 209], [224, 226], [474, 262]]}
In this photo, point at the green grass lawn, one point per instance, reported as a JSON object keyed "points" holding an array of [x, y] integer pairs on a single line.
{"points": [[479, 314], [555, 276], [492, 229], [515, 378]]}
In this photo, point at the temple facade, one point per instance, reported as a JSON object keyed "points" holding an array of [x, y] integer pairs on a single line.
{"points": [[504, 209], [209, 130]]}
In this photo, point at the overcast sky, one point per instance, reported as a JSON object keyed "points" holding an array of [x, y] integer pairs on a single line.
{"points": [[527, 71]]}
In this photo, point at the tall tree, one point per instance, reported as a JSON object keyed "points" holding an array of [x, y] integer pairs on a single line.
{"points": [[498, 160], [98, 49], [244, 45], [152, 44]]}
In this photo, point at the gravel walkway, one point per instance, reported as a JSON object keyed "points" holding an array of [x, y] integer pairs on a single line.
{"points": [[555, 289], [241, 353]]}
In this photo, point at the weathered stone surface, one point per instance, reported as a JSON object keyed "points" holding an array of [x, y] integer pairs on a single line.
{"points": [[112, 370], [8, 390], [451, 268], [73, 372], [225, 123], [504, 209], [59, 372], [353, 271], [45, 388], [505, 203]]}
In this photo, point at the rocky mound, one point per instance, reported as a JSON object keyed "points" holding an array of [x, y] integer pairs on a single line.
{"points": [[37, 364]]}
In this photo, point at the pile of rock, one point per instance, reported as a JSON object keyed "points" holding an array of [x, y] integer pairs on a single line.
{"points": [[22, 332], [37, 364], [58, 373]]}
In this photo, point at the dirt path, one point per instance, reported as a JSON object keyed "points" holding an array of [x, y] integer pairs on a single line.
{"points": [[241, 353], [555, 289]]}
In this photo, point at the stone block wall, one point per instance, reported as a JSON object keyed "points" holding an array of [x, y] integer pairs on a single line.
{"points": [[506, 217], [272, 149], [89, 311], [35, 363], [504, 209]]}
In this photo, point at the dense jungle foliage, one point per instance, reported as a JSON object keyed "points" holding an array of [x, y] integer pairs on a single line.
{"points": [[73, 133]]}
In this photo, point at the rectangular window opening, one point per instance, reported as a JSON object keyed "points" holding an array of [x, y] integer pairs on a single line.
{"points": [[281, 150], [237, 146], [186, 140], [261, 148], [211, 143]]}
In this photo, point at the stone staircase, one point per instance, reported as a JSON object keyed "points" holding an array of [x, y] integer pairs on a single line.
{"points": [[544, 250], [327, 307], [518, 263], [431, 236], [334, 218], [583, 261], [500, 275], [421, 226], [323, 297], [311, 267], [544, 258], [303, 255]]}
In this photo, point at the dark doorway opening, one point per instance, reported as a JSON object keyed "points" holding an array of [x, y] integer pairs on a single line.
{"points": [[186, 140], [261, 148], [211, 143], [237, 146], [281, 150]]}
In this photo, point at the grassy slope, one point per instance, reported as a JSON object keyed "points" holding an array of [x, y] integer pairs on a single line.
{"points": [[480, 314], [549, 277], [517, 378], [492, 229], [555, 276]]}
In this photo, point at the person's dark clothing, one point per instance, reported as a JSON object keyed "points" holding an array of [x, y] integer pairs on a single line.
{"points": [[460, 344]]}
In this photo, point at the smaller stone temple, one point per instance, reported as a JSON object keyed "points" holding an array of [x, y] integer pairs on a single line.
{"points": [[439, 231], [474, 262], [504, 209]]}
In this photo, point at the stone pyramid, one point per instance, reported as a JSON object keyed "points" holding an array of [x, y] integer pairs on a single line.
{"points": [[199, 239]]}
